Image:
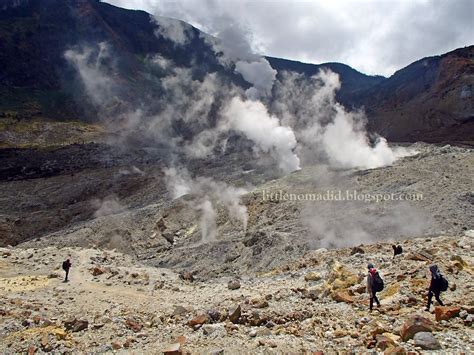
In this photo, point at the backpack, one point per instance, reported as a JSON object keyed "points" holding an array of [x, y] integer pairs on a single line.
{"points": [[443, 284], [66, 265], [377, 282]]}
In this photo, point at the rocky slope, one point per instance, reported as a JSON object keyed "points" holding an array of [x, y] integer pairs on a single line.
{"points": [[317, 303], [146, 222], [429, 100]]}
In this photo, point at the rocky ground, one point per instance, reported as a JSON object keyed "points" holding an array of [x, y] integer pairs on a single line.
{"points": [[164, 232], [292, 281], [317, 303]]}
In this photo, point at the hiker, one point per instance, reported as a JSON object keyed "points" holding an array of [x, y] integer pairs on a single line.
{"points": [[66, 266], [438, 284], [374, 285], [397, 250]]}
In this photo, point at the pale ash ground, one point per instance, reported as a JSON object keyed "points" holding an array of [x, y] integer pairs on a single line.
{"points": [[135, 307]]}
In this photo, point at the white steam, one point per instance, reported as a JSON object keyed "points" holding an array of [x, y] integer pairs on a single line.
{"points": [[260, 74], [89, 66], [324, 126], [253, 119], [107, 206], [206, 195]]}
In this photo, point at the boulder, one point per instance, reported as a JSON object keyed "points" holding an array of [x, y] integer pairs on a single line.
{"points": [[235, 313], [180, 310], [133, 325], [233, 284], [341, 277], [342, 296], [198, 320], [384, 342], [415, 325], [446, 313], [173, 349], [97, 270], [259, 303], [186, 276], [208, 329], [312, 276], [76, 325], [357, 250], [426, 341], [397, 350], [214, 315]]}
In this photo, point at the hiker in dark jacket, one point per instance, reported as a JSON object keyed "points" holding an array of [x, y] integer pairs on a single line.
{"points": [[371, 286], [66, 266], [397, 250], [436, 286]]}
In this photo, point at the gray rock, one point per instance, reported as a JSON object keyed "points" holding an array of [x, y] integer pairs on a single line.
{"points": [[208, 329], [426, 341], [233, 284]]}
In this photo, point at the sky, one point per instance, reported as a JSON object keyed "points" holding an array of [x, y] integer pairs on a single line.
{"points": [[372, 36]]}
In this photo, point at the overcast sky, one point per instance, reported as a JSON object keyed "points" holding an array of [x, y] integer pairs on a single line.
{"points": [[373, 36]]}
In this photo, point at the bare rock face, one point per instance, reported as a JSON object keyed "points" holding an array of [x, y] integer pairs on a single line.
{"points": [[446, 313], [415, 325], [426, 341]]}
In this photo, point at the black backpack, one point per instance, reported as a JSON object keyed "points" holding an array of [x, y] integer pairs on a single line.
{"points": [[66, 265], [377, 282], [443, 284]]}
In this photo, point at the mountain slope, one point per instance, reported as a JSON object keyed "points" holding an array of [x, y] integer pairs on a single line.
{"points": [[430, 99], [37, 80]]}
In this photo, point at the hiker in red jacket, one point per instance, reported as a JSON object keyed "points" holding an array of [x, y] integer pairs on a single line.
{"points": [[374, 285]]}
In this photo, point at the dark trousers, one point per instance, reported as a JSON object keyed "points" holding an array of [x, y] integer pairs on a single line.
{"points": [[67, 274], [430, 297], [374, 298]]}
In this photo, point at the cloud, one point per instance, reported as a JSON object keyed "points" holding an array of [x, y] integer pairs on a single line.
{"points": [[174, 30], [375, 37]]}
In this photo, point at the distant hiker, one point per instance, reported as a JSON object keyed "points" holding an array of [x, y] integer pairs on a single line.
{"points": [[397, 250], [66, 266], [374, 285], [438, 284]]}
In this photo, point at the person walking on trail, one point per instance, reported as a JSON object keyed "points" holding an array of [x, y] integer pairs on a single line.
{"points": [[397, 250], [66, 266], [374, 285], [438, 284]]}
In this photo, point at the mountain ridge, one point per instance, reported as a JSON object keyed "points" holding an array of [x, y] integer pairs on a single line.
{"points": [[407, 106]]}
